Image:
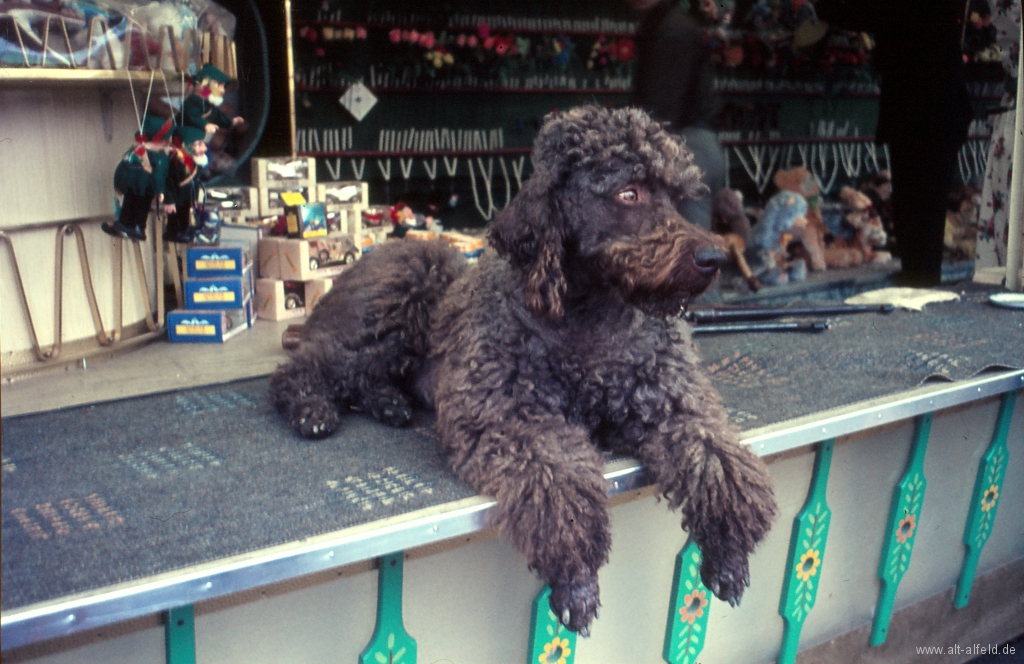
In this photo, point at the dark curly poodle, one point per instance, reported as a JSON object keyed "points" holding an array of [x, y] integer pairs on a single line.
{"points": [[565, 344]]}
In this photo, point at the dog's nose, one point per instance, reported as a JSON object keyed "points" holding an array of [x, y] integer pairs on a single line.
{"points": [[709, 259]]}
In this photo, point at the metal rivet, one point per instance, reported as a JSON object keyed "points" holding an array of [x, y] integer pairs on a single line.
{"points": [[330, 554], [435, 527], [879, 416], [71, 617], [762, 446], [823, 429], [209, 584]]}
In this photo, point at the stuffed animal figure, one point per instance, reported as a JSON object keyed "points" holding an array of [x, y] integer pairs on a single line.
{"points": [[729, 221], [869, 235], [785, 215], [812, 236], [878, 188], [962, 224]]}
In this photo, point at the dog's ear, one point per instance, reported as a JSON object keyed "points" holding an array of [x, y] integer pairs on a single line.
{"points": [[530, 233]]}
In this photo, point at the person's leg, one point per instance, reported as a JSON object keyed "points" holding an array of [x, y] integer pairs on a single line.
{"points": [[923, 169], [708, 156]]}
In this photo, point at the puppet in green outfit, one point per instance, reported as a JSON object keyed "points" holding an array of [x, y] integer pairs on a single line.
{"points": [[141, 176], [202, 108], [186, 161]]}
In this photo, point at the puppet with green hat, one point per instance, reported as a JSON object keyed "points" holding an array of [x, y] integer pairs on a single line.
{"points": [[202, 108], [141, 176], [186, 160]]}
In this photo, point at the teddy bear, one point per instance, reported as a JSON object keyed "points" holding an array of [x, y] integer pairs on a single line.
{"points": [[878, 188], [811, 238], [962, 224], [729, 221], [868, 238], [767, 253]]}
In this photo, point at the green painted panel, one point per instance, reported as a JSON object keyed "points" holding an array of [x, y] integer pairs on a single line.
{"points": [[985, 500], [180, 635], [390, 643], [806, 555], [550, 641], [688, 610], [901, 529]]}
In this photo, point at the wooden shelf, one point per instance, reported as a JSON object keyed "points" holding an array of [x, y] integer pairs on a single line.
{"points": [[463, 28], [81, 76], [476, 90]]}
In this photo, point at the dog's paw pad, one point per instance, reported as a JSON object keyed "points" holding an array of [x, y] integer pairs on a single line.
{"points": [[576, 604], [391, 410], [315, 421]]}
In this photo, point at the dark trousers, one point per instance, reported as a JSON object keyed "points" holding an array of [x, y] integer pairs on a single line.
{"points": [[923, 170], [178, 222], [135, 210]]}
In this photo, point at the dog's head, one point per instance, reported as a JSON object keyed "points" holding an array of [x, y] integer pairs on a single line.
{"points": [[600, 208]]}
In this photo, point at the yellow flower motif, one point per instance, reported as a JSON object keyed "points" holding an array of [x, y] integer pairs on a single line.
{"points": [[808, 565], [906, 528], [693, 606], [555, 652], [449, 58], [988, 501]]}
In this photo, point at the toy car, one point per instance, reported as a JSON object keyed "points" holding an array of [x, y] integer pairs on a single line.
{"points": [[332, 250]]}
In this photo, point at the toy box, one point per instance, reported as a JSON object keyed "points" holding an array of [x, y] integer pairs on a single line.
{"points": [[270, 257], [305, 220], [274, 201], [337, 194], [220, 293], [232, 202], [302, 260], [225, 260], [207, 326], [470, 246], [284, 173], [280, 300], [316, 289]]}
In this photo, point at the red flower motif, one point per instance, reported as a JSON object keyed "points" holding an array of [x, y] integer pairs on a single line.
{"points": [[623, 49], [488, 43], [471, 41], [460, 40], [395, 36], [483, 30], [427, 40], [360, 33]]}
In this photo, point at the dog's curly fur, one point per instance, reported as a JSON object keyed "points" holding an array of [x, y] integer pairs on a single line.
{"points": [[565, 344]]}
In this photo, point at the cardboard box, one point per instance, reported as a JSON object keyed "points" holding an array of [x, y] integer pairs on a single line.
{"points": [[270, 257], [337, 194], [316, 289], [285, 173], [221, 293], [246, 236], [232, 202], [273, 201], [280, 300], [298, 263], [470, 246], [305, 220], [227, 260], [344, 221], [206, 326]]}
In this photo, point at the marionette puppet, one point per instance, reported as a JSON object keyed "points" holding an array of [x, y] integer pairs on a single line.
{"points": [[187, 159], [768, 253], [404, 219], [203, 110], [141, 176]]}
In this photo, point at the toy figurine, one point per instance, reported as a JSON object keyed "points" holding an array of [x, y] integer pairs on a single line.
{"points": [[186, 160], [785, 215], [203, 110], [139, 177], [811, 236], [404, 219], [868, 236], [730, 222]]}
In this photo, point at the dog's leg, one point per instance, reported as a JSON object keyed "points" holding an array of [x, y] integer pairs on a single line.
{"points": [[723, 488], [546, 476], [302, 391]]}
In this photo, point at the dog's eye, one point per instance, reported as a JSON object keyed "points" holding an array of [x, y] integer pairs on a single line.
{"points": [[629, 196]]}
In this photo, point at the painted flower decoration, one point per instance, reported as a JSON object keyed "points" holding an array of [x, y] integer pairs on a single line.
{"points": [[623, 49], [693, 606], [905, 529], [395, 36], [360, 33], [988, 501], [555, 652], [427, 40], [460, 40], [808, 565]]}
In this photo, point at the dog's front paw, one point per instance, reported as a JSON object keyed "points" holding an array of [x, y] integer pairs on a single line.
{"points": [[576, 604], [315, 419], [389, 407], [726, 575]]}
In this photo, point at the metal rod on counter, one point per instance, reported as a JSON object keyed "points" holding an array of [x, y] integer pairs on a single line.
{"points": [[722, 315], [817, 326]]}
